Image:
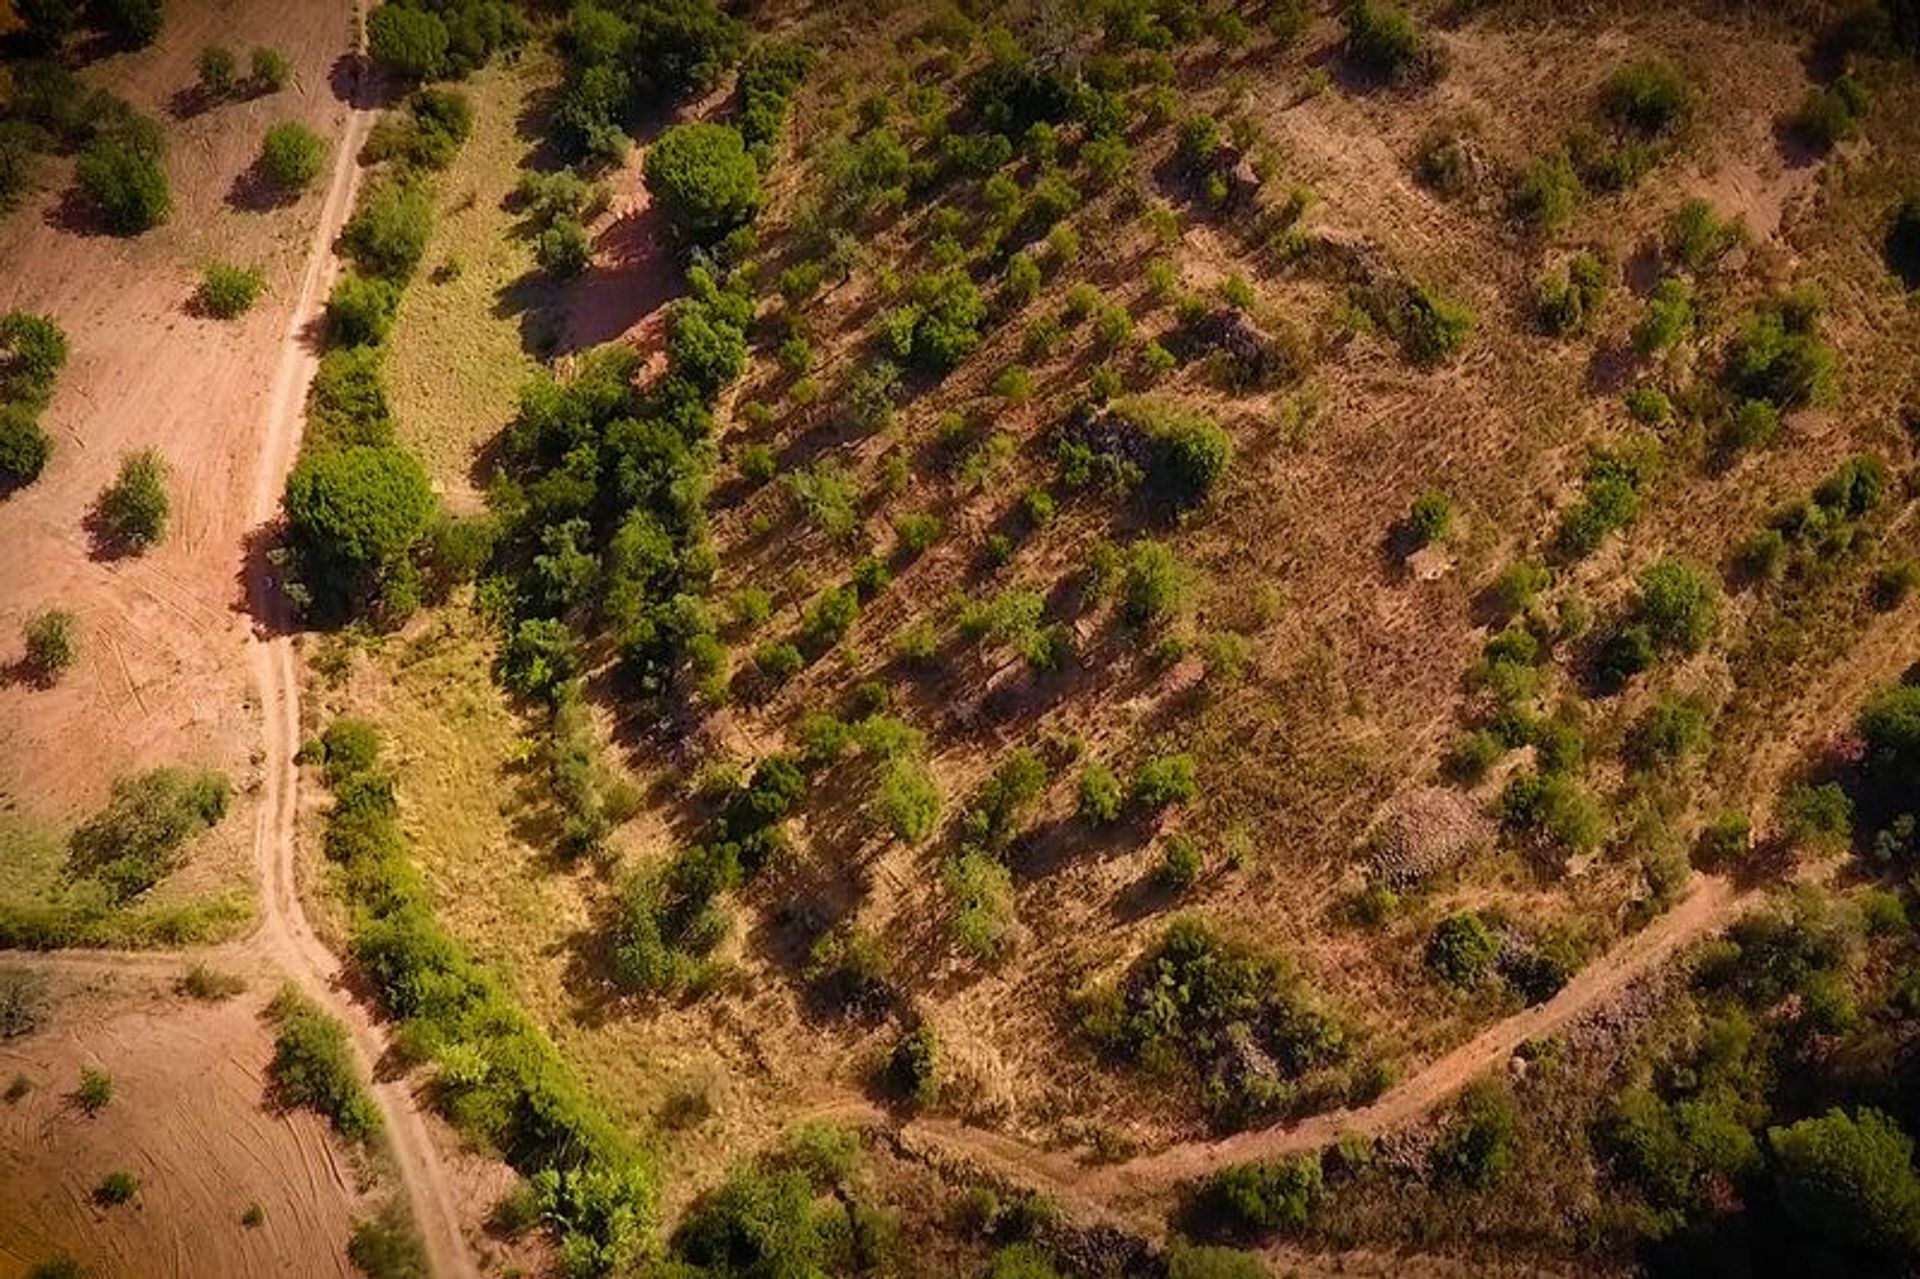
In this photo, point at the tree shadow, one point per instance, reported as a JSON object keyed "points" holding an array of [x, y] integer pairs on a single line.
{"points": [[259, 583], [253, 192], [74, 214]]}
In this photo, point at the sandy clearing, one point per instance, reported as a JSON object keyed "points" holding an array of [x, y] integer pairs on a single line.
{"points": [[190, 1118], [160, 677]]}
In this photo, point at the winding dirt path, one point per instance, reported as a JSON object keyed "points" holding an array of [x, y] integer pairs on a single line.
{"points": [[284, 943], [285, 935]]}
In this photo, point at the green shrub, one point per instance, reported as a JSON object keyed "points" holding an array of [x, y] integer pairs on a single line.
{"points": [[1154, 585], [1649, 97], [388, 231], [1666, 733], [52, 643], [228, 291], [913, 1066], [133, 509], [117, 1187], [1266, 1197], [1431, 327], [94, 1092], [387, 1245], [313, 1066], [1697, 239], [360, 310], [982, 892], [1778, 355], [33, 350], [1382, 39], [1551, 810], [1190, 1261], [272, 71], [1462, 949], [1179, 865], [24, 446], [411, 42], [1830, 115], [1847, 1180], [1725, 841], [1476, 1148], [1568, 303], [908, 800], [1668, 319], [1430, 519], [563, 249], [291, 156], [1193, 995], [218, 70], [135, 841], [1164, 781], [704, 180], [347, 400], [1679, 604], [1548, 192], [123, 182], [1817, 817]]}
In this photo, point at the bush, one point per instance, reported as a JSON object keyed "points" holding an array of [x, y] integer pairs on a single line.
{"points": [[117, 1187], [51, 644], [1462, 948], [1679, 604], [25, 446], [408, 41], [1476, 1148], [133, 509], [913, 1066], [1551, 810], [704, 179], [1179, 865], [1831, 114], [94, 1092], [1568, 303], [1154, 585], [1261, 1198], [982, 892], [1164, 781], [1548, 192], [228, 291], [1668, 319], [1430, 519], [1431, 328], [1666, 733], [218, 69], [291, 156], [354, 516], [135, 841], [1697, 239], [1725, 841], [135, 23], [360, 310], [33, 350], [312, 1067], [908, 800], [1778, 355], [1189, 1261], [1188, 455], [563, 249], [272, 71], [1649, 97], [387, 1245], [1382, 39], [388, 232], [125, 185], [347, 400], [1816, 817]]}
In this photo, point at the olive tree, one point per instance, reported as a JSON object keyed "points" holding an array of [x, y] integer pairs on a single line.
{"points": [[133, 510], [704, 180]]}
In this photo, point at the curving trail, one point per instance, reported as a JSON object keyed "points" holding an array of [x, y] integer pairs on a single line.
{"points": [[285, 936]]}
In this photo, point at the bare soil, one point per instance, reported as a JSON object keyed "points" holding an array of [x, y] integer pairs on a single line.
{"points": [[190, 1117]]}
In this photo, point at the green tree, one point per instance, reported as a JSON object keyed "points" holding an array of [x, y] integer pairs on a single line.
{"points": [[1679, 604], [1847, 1181], [412, 42], [272, 71], [291, 156], [125, 185], [33, 350], [133, 509], [388, 233], [25, 446], [1462, 948], [353, 517], [135, 23], [704, 180]]}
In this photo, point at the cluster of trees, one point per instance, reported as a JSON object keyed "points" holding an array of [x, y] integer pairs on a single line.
{"points": [[671, 919], [364, 534], [428, 39], [629, 57], [50, 24], [1807, 539], [499, 1078], [33, 350], [49, 109], [1238, 1019]]}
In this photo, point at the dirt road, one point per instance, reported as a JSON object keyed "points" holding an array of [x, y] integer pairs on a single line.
{"points": [[285, 935]]}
